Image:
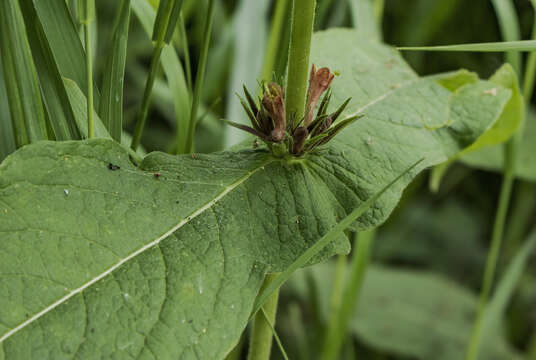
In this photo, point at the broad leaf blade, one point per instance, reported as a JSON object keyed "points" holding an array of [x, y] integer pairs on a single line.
{"points": [[20, 77]]}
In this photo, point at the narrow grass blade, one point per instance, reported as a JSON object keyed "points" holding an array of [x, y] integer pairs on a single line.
{"points": [[274, 333], [20, 76], [166, 20], [530, 66], [171, 66], [249, 39], [507, 285], [274, 39], [79, 105], [324, 241], [336, 333], [111, 105], [61, 35], [522, 45], [183, 35], [7, 140], [509, 25], [86, 16], [199, 79], [60, 115], [493, 312]]}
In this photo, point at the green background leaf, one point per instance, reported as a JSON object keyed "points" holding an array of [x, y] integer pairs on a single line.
{"points": [[412, 313], [123, 263], [491, 158]]}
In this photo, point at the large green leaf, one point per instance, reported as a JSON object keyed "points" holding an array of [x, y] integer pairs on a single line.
{"points": [[164, 260]]}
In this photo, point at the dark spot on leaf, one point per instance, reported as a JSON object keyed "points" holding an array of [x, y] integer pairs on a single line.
{"points": [[157, 175], [190, 321], [113, 167], [92, 330]]}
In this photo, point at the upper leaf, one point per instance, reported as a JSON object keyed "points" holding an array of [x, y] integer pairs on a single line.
{"points": [[104, 259]]}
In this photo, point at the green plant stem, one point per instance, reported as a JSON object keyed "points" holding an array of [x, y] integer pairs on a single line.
{"points": [[338, 287], [531, 353], [530, 71], [86, 15], [161, 33], [273, 40], [510, 30], [523, 204], [510, 152], [199, 79], [303, 14], [519, 218], [186, 52], [144, 109], [337, 328], [260, 344]]}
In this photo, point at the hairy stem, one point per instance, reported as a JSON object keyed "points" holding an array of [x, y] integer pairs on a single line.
{"points": [[303, 14], [336, 332], [260, 344]]}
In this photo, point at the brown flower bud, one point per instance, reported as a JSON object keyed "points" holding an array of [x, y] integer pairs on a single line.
{"points": [[273, 102], [299, 137], [319, 81]]}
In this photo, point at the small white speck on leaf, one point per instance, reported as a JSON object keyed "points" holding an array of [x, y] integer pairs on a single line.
{"points": [[66, 192], [126, 296], [492, 91]]}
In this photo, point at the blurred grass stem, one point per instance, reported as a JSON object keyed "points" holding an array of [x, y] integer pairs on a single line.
{"points": [[338, 324], [199, 79]]}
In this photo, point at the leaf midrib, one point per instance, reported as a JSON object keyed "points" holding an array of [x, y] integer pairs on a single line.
{"points": [[180, 224]]}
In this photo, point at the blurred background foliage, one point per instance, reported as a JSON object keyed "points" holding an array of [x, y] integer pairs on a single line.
{"points": [[419, 297]]}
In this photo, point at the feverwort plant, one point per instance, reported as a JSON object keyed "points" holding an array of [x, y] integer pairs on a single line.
{"points": [[119, 241]]}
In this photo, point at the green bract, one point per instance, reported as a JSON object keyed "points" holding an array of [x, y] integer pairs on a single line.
{"points": [[96, 263]]}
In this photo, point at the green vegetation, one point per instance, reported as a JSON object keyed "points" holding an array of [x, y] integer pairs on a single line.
{"points": [[378, 205]]}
